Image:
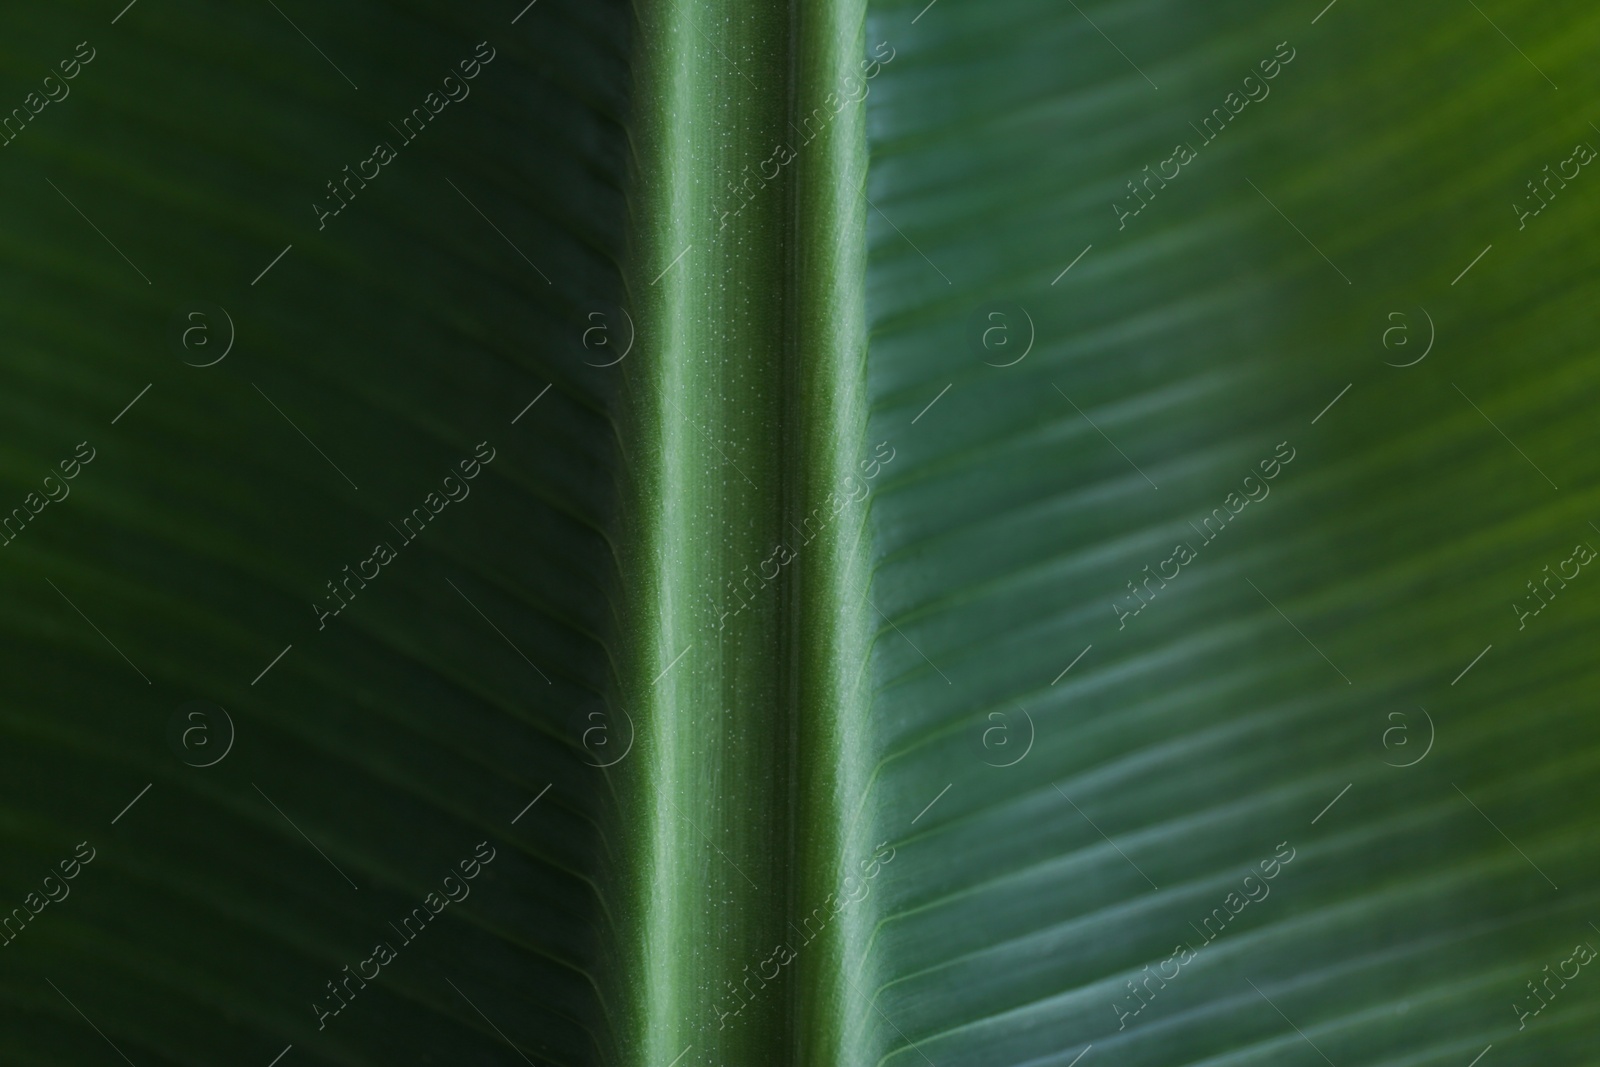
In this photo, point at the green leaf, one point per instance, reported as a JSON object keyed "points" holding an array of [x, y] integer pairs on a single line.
{"points": [[1291, 659], [375, 748], [815, 656]]}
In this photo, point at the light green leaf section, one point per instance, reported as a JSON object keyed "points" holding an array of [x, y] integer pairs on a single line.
{"points": [[1303, 639]]}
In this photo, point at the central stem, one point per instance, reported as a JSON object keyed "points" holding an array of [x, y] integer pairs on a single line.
{"points": [[743, 558]]}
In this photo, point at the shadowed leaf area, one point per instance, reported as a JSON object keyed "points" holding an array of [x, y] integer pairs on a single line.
{"points": [[437, 685]]}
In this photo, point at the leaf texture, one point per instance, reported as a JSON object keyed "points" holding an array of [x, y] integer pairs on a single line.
{"points": [[911, 533], [1315, 634], [373, 749]]}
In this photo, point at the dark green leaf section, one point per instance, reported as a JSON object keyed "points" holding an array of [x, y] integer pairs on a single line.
{"points": [[1220, 710], [386, 741]]}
